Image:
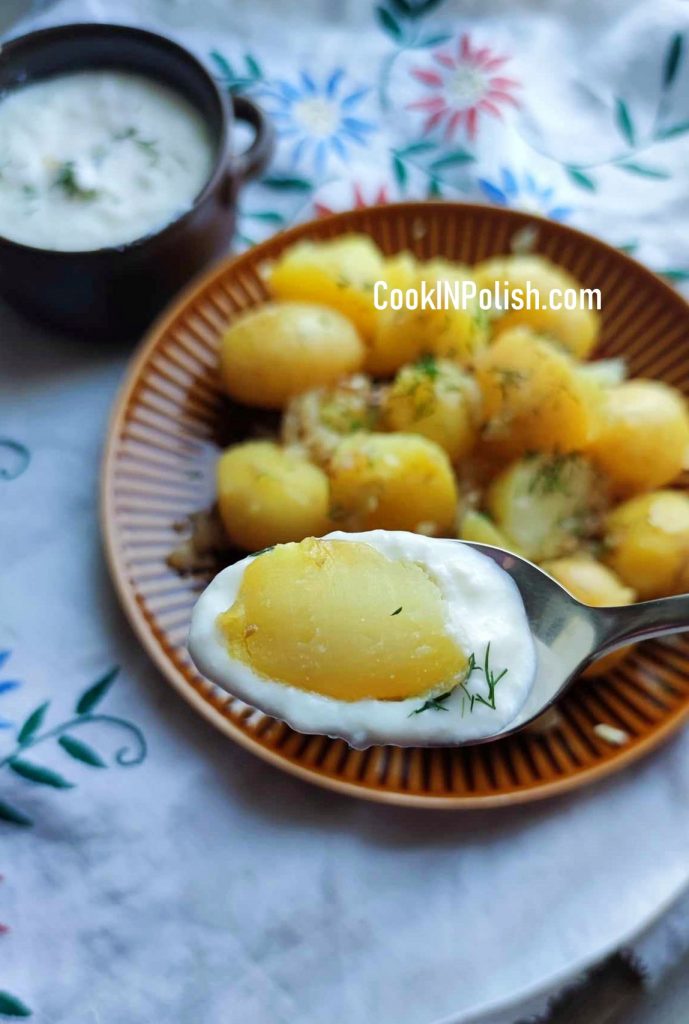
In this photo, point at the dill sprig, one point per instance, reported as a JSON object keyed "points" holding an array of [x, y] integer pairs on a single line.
{"points": [[66, 179], [551, 476], [428, 365], [433, 704], [492, 679]]}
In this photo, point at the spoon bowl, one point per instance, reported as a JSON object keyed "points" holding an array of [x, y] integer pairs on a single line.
{"points": [[570, 635]]}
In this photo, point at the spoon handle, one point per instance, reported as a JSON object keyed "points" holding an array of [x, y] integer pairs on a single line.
{"points": [[642, 621]]}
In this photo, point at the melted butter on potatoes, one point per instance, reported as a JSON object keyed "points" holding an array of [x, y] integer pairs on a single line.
{"points": [[343, 620]]}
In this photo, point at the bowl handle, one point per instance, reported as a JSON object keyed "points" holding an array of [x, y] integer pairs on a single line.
{"points": [[255, 159]]}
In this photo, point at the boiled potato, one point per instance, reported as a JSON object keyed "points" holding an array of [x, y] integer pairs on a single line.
{"points": [[594, 584], [642, 441], [345, 594], [437, 399], [477, 527], [392, 482], [575, 329], [647, 543], [534, 398], [319, 419], [338, 273], [545, 505], [403, 335], [269, 495], [280, 349]]}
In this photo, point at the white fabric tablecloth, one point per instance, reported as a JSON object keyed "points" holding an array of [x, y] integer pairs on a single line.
{"points": [[199, 884]]}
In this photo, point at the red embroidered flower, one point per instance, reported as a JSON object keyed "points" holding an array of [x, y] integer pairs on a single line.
{"points": [[360, 202], [464, 86]]}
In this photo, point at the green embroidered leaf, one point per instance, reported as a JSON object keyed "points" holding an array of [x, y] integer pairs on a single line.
{"points": [[223, 64], [624, 121], [287, 184], [400, 170], [580, 179], [434, 190], [674, 129], [95, 693], [456, 157], [10, 1006], [402, 8], [643, 170], [253, 66], [628, 247], [37, 773], [32, 723], [14, 459], [388, 23], [415, 147], [268, 216], [672, 59], [675, 274], [81, 751], [13, 815], [434, 40]]}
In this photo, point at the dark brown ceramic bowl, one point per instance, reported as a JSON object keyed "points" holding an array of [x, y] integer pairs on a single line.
{"points": [[116, 291]]}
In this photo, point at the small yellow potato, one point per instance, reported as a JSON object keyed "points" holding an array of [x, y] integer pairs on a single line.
{"points": [[576, 330], [318, 420], [381, 623], [437, 399], [534, 398], [647, 543], [280, 349], [269, 495], [594, 584], [642, 441], [403, 335], [589, 581], [477, 527], [392, 482], [338, 273], [545, 505]]}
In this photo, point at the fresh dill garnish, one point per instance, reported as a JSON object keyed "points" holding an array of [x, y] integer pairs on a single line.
{"points": [[433, 704], [509, 378], [469, 699], [396, 611], [148, 146], [551, 476], [427, 364], [66, 179], [263, 551]]}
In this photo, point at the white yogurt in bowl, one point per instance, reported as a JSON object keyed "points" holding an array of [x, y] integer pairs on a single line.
{"points": [[98, 158]]}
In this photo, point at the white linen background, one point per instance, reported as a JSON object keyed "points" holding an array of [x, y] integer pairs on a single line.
{"points": [[204, 885]]}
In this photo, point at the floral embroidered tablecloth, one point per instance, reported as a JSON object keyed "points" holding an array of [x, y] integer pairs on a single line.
{"points": [[151, 870]]}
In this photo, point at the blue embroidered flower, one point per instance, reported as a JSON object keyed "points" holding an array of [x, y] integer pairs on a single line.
{"points": [[6, 686], [524, 193], [319, 119]]}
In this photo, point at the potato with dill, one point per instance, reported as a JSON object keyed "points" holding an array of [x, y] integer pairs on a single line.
{"points": [[339, 273], [437, 399], [280, 349], [392, 482], [534, 397], [546, 506], [270, 495], [403, 335], [576, 329], [642, 440], [318, 420], [647, 543]]}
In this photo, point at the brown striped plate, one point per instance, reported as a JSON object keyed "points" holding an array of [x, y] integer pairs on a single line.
{"points": [[159, 467]]}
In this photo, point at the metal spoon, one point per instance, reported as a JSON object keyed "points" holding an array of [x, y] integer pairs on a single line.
{"points": [[570, 635]]}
